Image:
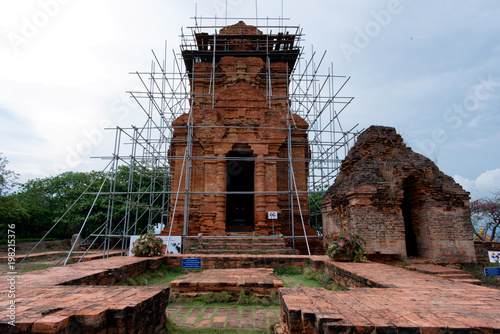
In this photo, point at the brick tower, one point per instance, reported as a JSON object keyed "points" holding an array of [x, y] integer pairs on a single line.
{"points": [[240, 153]]}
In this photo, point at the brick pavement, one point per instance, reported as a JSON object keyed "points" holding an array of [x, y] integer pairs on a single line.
{"points": [[58, 298], [403, 301], [76, 298], [240, 317], [258, 281]]}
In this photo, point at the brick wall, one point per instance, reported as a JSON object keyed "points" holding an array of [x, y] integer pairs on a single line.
{"points": [[482, 248]]}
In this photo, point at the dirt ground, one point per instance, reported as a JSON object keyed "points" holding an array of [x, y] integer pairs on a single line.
{"points": [[61, 246], [45, 246]]}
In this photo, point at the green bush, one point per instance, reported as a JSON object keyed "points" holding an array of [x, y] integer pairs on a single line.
{"points": [[346, 244], [147, 245]]}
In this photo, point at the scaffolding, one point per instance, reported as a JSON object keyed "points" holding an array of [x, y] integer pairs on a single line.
{"points": [[143, 155]]}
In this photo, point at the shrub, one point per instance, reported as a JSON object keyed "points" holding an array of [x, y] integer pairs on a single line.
{"points": [[346, 244], [147, 245]]}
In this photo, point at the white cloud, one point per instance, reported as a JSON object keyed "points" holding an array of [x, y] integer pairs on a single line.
{"points": [[486, 185], [67, 80]]}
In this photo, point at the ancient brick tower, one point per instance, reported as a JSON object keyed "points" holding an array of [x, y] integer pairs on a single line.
{"points": [[399, 201], [237, 153]]}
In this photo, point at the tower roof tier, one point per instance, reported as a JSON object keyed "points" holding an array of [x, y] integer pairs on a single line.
{"points": [[241, 40]]}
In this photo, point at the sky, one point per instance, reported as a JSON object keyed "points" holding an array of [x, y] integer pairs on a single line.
{"points": [[431, 69]]}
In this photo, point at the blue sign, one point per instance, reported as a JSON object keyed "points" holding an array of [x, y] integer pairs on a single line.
{"points": [[193, 263], [495, 271]]}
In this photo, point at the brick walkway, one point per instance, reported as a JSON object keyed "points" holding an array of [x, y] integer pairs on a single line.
{"points": [[258, 281], [63, 299], [404, 299], [245, 318]]}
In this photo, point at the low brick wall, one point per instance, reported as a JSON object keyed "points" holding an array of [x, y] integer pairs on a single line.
{"points": [[114, 276], [217, 261], [317, 262], [482, 248]]}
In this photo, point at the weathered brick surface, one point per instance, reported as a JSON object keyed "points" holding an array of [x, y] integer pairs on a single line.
{"points": [[257, 281], [383, 183], [74, 299], [401, 301], [244, 114], [397, 300]]}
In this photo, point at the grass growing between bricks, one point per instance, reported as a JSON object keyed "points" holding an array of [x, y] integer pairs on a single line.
{"points": [[294, 277], [216, 313], [477, 270], [163, 276], [198, 317], [32, 267]]}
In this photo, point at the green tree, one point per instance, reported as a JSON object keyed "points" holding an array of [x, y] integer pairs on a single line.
{"points": [[316, 219], [59, 199], [10, 210], [7, 177]]}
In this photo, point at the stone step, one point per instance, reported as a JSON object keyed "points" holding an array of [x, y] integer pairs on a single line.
{"points": [[240, 240], [456, 276], [470, 281], [246, 251], [247, 245], [239, 246]]}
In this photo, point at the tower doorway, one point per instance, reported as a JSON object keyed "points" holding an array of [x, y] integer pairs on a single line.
{"points": [[410, 216], [240, 168]]}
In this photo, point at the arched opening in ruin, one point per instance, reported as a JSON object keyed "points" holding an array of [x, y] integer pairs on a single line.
{"points": [[240, 168], [410, 210]]}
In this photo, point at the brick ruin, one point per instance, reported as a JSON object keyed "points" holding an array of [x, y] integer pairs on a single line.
{"points": [[238, 136], [399, 201]]}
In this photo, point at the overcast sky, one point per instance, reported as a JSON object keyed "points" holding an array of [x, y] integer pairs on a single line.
{"points": [[429, 68]]}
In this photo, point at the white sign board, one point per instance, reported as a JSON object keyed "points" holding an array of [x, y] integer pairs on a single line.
{"points": [[272, 214], [494, 256], [174, 244]]}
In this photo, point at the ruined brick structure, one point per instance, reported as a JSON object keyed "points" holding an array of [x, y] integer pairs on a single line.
{"points": [[233, 146], [399, 201]]}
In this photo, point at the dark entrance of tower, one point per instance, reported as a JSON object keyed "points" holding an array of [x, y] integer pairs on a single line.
{"points": [[410, 210], [240, 168]]}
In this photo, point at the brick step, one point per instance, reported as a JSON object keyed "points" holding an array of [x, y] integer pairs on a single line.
{"points": [[246, 240], [245, 251], [239, 246], [419, 261], [470, 281], [456, 276]]}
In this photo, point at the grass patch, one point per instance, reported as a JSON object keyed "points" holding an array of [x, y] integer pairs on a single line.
{"points": [[212, 298], [33, 267], [163, 276], [293, 277], [288, 271], [244, 299], [181, 330], [477, 270]]}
